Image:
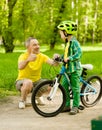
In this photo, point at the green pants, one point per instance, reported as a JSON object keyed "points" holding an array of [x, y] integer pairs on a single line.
{"points": [[75, 85]]}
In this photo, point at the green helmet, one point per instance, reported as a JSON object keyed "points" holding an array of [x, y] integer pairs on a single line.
{"points": [[68, 26]]}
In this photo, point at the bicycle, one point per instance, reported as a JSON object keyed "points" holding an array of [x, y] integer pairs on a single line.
{"points": [[54, 94]]}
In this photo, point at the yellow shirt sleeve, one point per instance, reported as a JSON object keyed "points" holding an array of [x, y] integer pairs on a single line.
{"points": [[23, 57]]}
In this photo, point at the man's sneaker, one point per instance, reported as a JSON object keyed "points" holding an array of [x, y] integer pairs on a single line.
{"points": [[66, 109], [21, 104], [40, 101], [28, 103], [74, 111]]}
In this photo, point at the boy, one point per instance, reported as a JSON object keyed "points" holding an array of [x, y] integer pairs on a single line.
{"points": [[71, 57]]}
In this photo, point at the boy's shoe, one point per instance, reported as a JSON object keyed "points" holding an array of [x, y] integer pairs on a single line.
{"points": [[21, 105], [40, 101], [74, 111], [66, 109]]}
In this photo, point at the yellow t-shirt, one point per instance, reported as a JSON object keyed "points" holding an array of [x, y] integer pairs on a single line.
{"points": [[33, 69]]}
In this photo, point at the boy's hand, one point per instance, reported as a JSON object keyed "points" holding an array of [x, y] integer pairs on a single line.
{"points": [[66, 60]]}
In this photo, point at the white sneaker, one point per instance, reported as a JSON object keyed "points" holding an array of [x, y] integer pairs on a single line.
{"points": [[21, 104], [40, 101], [28, 103]]}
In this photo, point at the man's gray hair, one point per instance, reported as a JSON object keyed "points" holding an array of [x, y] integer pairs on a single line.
{"points": [[27, 43]]}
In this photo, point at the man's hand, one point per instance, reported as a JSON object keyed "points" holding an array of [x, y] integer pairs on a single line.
{"points": [[56, 56], [22, 64], [32, 57]]}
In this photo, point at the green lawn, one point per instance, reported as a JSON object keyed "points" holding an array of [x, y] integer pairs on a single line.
{"points": [[8, 67]]}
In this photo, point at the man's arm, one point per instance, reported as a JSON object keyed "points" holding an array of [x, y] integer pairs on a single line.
{"points": [[22, 64], [53, 61]]}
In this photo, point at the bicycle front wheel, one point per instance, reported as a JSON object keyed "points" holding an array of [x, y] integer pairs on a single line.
{"points": [[90, 96], [49, 108]]}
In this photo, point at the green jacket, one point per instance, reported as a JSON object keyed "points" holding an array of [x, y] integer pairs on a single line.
{"points": [[74, 54]]}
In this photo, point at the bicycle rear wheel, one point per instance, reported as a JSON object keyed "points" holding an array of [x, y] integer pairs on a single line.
{"points": [[92, 98], [51, 107]]}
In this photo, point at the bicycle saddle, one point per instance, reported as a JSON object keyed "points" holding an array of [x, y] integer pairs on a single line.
{"points": [[87, 66]]}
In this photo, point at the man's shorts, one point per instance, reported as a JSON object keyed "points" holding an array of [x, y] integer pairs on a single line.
{"points": [[19, 83]]}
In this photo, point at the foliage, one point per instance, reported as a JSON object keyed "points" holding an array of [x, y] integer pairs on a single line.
{"points": [[20, 19]]}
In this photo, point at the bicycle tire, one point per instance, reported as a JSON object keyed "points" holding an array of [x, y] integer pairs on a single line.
{"points": [[92, 100], [50, 108]]}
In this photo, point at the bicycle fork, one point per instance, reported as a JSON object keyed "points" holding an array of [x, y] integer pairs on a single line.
{"points": [[53, 89]]}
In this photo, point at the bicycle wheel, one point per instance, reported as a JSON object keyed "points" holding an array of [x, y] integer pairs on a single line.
{"points": [[89, 98], [51, 107]]}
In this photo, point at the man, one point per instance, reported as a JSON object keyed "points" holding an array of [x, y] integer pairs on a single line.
{"points": [[29, 70], [72, 57]]}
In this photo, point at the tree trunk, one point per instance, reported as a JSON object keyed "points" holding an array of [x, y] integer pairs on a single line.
{"points": [[8, 42], [7, 35], [58, 19]]}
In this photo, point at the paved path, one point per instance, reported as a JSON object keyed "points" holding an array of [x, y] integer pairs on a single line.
{"points": [[12, 118]]}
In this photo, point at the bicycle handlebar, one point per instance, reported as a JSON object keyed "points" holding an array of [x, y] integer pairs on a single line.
{"points": [[59, 59]]}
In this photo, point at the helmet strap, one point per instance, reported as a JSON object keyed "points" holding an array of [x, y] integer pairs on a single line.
{"points": [[66, 40], [69, 34], [65, 34]]}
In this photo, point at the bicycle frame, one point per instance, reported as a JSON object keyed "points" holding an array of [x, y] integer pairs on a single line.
{"points": [[57, 82], [88, 86]]}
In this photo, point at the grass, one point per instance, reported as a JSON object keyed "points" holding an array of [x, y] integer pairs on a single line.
{"points": [[8, 68], [8, 73]]}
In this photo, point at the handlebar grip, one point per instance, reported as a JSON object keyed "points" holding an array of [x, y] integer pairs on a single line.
{"points": [[58, 59]]}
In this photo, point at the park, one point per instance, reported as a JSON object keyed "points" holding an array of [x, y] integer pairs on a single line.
{"points": [[40, 18]]}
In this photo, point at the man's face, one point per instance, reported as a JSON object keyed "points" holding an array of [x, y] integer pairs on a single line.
{"points": [[62, 35], [34, 46]]}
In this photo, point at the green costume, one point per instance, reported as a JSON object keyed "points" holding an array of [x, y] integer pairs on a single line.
{"points": [[74, 72]]}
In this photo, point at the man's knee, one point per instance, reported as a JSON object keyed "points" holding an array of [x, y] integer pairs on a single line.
{"points": [[27, 82], [27, 85], [24, 85]]}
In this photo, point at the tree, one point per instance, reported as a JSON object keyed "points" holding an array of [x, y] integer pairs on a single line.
{"points": [[7, 35], [57, 21], [20, 19]]}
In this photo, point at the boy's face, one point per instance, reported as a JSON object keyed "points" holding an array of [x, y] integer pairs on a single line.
{"points": [[62, 35]]}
